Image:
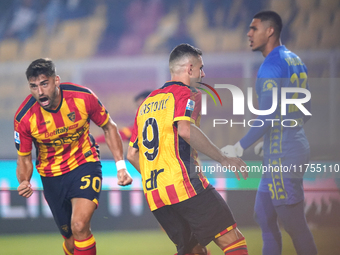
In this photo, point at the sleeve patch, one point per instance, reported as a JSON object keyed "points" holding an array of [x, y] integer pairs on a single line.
{"points": [[190, 105], [16, 137], [269, 85]]}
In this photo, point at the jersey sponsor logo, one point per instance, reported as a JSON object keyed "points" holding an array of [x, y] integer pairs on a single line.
{"points": [[72, 116], [151, 183], [190, 105], [45, 122], [60, 131], [68, 139], [88, 154], [73, 126], [16, 137]]}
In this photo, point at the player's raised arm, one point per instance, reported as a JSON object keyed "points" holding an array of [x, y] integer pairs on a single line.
{"points": [[114, 142], [24, 174], [199, 141]]}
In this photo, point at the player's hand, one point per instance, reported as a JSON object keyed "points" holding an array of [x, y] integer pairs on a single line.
{"points": [[236, 164], [25, 189], [124, 177], [258, 149]]}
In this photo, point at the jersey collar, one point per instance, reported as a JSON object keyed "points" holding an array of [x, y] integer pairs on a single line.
{"points": [[277, 49], [170, 83]]}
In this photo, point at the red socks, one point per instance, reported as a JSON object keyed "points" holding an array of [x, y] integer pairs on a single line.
{"points": [[239, 247], [85, 247], [196, 253]]}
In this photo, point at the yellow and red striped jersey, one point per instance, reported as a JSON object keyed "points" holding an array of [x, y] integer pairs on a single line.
{"points": [[166, 161], [61, 136]]}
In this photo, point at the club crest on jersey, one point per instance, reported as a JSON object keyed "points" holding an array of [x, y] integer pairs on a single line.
{"points": [[269, 85], [72, 116], [16, 137], [190, 105]]}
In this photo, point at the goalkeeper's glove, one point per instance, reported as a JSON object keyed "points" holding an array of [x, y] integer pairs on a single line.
{"points": [[229, 151], [233, 150], [258, 149]]}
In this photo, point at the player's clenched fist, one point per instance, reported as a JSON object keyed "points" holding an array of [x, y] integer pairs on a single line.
{"points": [[124, 177], [25, 189]]}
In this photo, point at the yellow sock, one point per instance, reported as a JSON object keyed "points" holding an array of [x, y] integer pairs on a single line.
{"points": [[67, 252]]}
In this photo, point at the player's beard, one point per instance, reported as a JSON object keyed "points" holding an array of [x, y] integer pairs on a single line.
{"points": [[52, 100], [196, 82]]}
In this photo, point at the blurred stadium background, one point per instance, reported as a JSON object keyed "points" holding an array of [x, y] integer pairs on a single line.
{"points": [[119, 48]]}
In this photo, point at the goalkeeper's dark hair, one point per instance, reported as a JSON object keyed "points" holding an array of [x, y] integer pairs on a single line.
{"points": [[41, 66], [182, 50], [274, 19]]}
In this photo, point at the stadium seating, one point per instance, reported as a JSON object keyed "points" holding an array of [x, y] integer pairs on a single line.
{"points": [[305, 4], [299, 21], [329, 5], [283, 8], [319, 19], [73, 38], [330, 38], [234, 40], [34, 46], [9, 50], [307, 39], [309, 24]]}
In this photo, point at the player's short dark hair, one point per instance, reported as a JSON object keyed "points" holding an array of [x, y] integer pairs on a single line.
{"points": [[41, 66], [182, 50], [273, 18], [142, 95]]}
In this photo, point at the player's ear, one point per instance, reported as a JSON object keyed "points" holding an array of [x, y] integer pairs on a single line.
{"points": [[189, 68], [270, 31], [57, 80]]}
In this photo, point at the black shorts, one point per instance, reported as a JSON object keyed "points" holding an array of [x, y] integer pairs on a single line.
{"points": [[198, 220], [83, 182]]}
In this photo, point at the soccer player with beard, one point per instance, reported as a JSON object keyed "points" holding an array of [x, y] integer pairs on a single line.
{"points": [[56, 118], [166, 126]]}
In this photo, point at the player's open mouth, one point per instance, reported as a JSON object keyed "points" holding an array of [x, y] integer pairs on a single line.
{"points": [[250, 43], [44, 101]]}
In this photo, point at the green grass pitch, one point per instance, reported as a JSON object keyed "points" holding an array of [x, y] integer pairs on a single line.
{"points": [[152, 242]]}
